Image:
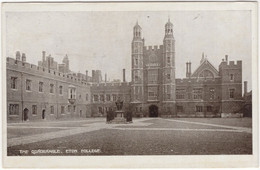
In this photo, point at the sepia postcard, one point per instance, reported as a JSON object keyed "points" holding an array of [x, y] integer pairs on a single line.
{"points": [[130, 85]]}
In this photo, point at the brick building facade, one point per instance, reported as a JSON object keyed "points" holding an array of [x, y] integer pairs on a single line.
{"points": [[42, 92], [155, 91], [52, 91]]}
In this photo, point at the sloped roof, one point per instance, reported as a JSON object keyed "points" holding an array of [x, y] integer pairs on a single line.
{"points": [[205, 65]]}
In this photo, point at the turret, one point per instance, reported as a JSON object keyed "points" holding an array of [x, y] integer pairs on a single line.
{"points": [[66, 62], [137, 63], [169, 63], [137, 31]]}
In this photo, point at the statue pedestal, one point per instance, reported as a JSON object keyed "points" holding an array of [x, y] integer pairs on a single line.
{"points": [[119, 117]]}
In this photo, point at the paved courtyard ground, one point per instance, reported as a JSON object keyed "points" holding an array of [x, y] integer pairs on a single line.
{"points": [[146, 136]]}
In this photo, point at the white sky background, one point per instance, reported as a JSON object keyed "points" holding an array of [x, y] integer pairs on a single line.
{"points": [[102, 40]]}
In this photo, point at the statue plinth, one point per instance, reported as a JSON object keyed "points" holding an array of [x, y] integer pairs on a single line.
{"points": [[119, 117], [119, 113]]}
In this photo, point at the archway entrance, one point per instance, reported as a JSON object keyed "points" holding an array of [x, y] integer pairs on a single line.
{"points": [[43, 114], [153, 111], [25, 114]]}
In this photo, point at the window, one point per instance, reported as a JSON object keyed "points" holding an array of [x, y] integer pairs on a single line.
{"points": [[86, 97], [80, 96], [62, 109], [72, 93], [136, 61], [13, 82], [100, 110], [40, 86], [168, 96], [168, 92], [136, 93], [136, 78], [180, 93], [60, 90], [74, 108], [34, 109], [102, 98], [114, 97], [152, 93], [168, 76], [108, 97], [231, 93], [199, 109], [179, 108], [28, 85], [51, 88], [211, 93], [52, 110], [197, 93], [209, 108], [69, 108], [13, 109], [141, 109], [153, 77], [168, 60], [95, 98], [231, 77]]}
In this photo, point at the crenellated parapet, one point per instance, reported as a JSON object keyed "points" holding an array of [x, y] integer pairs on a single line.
{"points": [[25, 67]]}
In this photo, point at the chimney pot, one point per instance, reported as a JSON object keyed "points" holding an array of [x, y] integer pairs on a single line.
{"points": [[23, 57], [123, 75], [226, 57], [245, 88], [18, 55]]}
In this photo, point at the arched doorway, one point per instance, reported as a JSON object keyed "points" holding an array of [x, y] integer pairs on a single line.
{"points": [[43, 114], [153, 111], [25, 114]]}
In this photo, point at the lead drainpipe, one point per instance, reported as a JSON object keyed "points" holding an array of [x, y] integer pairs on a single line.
{"points": [[22, 96], [56, 92]]}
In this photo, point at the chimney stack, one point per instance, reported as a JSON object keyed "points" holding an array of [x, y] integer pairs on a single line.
{"points": [[87, 75], [93, 76], [106, 77], [43, 56], [226, 57], [18, 55], [123, 75], [245, 88], [23, 57], [187, 69]]}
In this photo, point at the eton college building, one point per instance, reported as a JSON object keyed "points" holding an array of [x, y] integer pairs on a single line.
{"points": [[50, 91]]}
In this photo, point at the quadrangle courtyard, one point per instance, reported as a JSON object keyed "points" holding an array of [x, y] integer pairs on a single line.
{"points": [[145, 136]]}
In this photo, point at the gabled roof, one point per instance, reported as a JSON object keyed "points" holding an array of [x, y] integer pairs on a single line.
{"points": [[205, 65]]}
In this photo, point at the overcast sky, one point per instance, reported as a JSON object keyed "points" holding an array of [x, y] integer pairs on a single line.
{"points": [[102, 40]]}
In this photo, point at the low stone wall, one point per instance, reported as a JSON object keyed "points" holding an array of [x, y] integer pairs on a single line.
{"points": [[231, 115]]}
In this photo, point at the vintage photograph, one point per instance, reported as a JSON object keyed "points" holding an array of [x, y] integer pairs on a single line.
{"points": [[128, 82]]}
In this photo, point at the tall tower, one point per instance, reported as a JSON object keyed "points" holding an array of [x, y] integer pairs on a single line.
{"points": [[137, 65], [168, 69], [66, 62]]}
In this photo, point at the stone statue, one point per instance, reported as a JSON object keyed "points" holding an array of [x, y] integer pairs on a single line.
{"points": [[119, 104]]}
